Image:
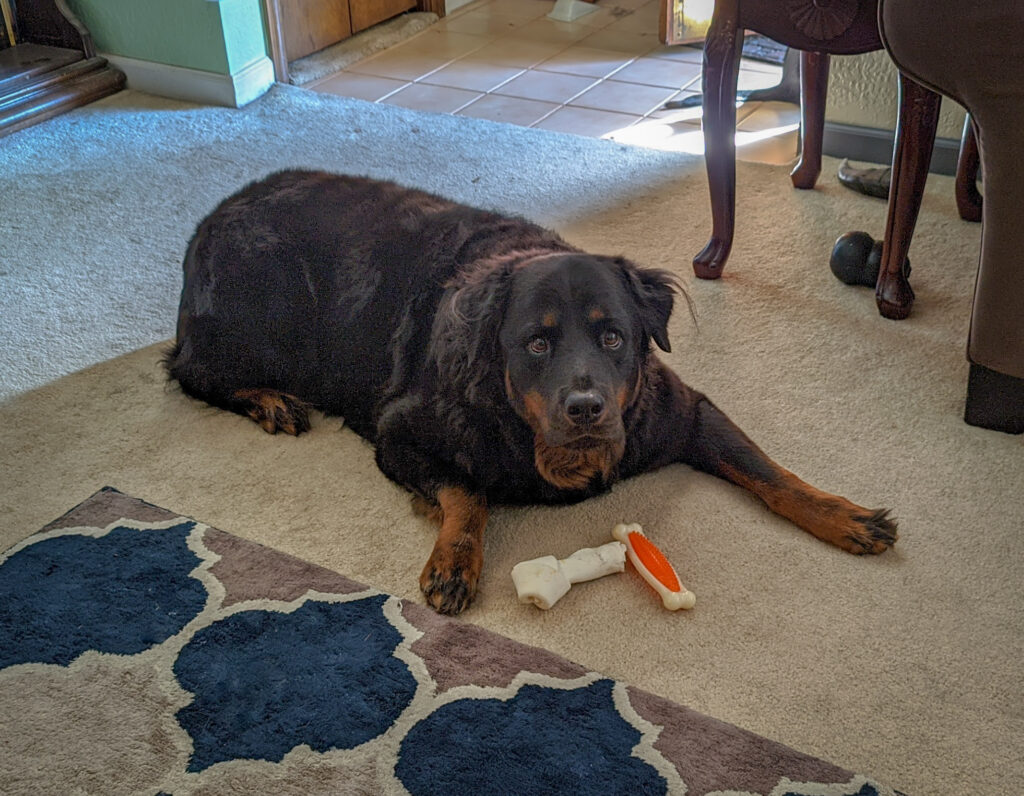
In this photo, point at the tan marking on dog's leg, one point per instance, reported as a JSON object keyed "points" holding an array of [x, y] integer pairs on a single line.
{"points": [[452, 573], [830, 517], [425, 508]]}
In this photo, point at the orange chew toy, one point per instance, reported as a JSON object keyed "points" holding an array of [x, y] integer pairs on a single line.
{"points": [[652, 565]]}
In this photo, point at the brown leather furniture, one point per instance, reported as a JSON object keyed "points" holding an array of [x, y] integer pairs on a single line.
{"points": [[973, 53]]}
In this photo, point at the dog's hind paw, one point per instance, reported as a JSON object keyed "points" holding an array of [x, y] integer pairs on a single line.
{"points": [[275, 411]]}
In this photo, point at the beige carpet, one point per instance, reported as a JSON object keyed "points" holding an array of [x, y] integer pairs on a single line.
{"points": [[906, 667]]}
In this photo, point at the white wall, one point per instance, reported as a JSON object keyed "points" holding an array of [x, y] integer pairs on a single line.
{"points": [[863, 91]]}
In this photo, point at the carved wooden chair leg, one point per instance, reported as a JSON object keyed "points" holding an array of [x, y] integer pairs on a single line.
{"points": [[722, 48], [968, 198], [813, 91], [915, 137]]}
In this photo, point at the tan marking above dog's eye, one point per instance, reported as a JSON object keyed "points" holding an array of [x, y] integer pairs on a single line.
{"points": [[550, 320], [596, 314], [538, 345]]}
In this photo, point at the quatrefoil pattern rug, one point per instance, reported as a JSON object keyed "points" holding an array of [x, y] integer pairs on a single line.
{"points": [[144, 652]]}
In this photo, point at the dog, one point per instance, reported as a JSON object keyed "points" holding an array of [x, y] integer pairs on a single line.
{"points": [[487, 360]]}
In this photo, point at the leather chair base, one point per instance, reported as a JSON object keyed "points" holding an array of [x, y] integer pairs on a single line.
{"points": [[994, 400]]}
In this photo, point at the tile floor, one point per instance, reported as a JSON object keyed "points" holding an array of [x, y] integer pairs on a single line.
{"points": [[604, 75]]}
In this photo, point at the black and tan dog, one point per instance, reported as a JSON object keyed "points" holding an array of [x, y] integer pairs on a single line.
{"points": [[488, 360]]}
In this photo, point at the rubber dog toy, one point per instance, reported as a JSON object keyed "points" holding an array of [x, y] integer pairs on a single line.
{"points": [[652, 565], [544, 581], [857, 258]]}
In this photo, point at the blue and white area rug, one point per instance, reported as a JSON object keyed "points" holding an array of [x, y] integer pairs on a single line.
{"points": [[145, 652]]}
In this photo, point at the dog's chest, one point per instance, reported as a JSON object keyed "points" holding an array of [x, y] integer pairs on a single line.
{"points": [[504, 465]]}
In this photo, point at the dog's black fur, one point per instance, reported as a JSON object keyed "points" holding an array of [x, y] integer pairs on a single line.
{"points": [[487, 359]]}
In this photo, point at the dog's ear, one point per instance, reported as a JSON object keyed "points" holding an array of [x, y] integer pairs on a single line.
{"points": [[464, 340], [654, 292]]}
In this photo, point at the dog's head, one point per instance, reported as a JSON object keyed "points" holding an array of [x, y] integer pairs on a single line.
{"points": [[575, 336], [572, 333]]}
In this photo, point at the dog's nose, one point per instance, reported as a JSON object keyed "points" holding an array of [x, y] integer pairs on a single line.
{"points": [[584, 407]]}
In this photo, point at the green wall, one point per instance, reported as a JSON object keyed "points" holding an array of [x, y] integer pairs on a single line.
{"points": [[221, 37]]}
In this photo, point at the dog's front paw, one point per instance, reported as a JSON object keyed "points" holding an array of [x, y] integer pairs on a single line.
{"points": [[449, 581], [853, 528], [863, 532], [871, 533]]}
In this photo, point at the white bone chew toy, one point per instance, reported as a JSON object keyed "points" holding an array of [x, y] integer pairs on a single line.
{"points": [[651, 563], [544, 581]]}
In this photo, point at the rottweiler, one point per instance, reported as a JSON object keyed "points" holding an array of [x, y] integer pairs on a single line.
{"points": [[488, 360]]}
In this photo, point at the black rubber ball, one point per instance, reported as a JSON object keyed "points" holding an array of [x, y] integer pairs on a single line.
{"points": [[852, 261], [857, 258]]}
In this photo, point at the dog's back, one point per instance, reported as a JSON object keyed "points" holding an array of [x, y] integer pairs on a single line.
{"points": [[302, 283]]}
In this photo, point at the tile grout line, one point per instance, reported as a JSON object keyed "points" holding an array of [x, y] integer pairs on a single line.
{"points": [[564, 104], [489, 38]]}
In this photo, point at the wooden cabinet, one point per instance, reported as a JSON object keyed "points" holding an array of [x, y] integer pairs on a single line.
{"points": [[310, 25]]}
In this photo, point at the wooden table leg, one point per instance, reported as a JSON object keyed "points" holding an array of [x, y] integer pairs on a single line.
{"points": [[968, 198], [915, 137], [814, 68], [722, 49]]}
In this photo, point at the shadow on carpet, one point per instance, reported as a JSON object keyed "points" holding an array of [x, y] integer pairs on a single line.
{"points": [[142, 651]]}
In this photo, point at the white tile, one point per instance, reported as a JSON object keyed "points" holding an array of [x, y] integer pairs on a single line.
{"points": [[586, 121], [513, 110], [659, 72], [770, 115], [611, 95], [633, 42], [545, 86], [472, 75], [398, 66], [424, 97], [585, 61], [350, 84]]}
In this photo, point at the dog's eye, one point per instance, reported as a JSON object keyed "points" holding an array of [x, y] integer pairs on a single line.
{"points": [[538, 345], [611, 339]]}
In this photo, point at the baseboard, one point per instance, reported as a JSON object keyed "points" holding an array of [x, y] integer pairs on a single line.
{"points": [[196, 85], [870, 145]]}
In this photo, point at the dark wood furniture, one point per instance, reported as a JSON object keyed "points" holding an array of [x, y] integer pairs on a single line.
{"points": [[971, 53], [50, 67], [968, 165], [915, 138], [819, 29]]}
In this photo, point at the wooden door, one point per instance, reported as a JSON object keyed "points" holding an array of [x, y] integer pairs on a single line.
{"points": [[311, 25], [369, 12]]}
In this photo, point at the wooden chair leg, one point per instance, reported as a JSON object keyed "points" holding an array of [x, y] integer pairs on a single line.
{"points": [[813, 92], [968, 198], [722, 48], [915, 138]]}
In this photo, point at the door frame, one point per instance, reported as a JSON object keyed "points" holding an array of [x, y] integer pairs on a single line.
{"points": [[275, 34]]}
